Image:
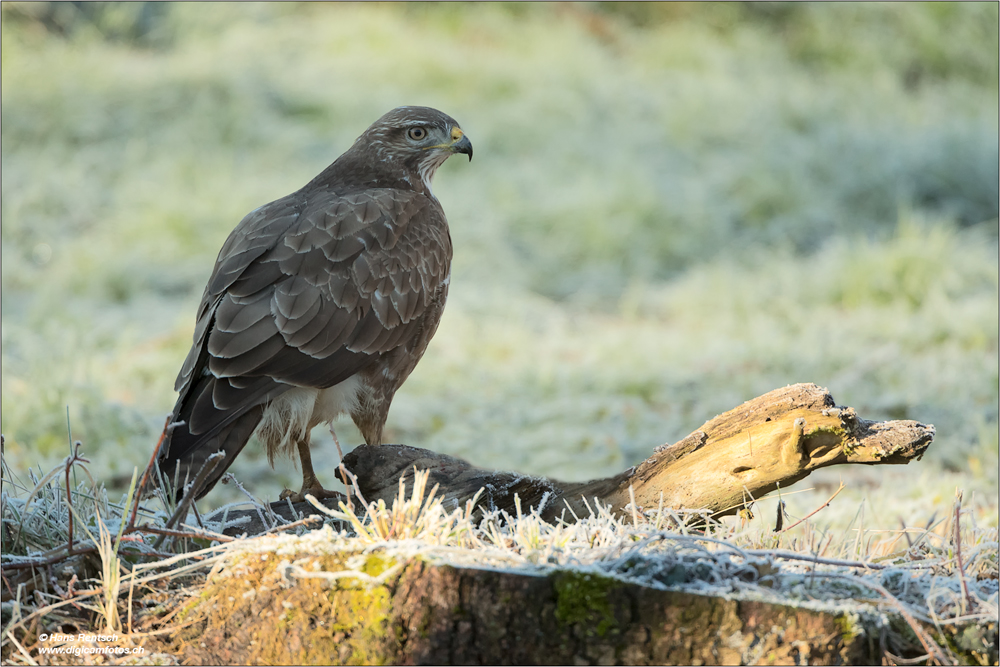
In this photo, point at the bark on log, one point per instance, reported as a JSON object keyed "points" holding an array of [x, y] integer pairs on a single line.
{"points": [[775, 439], [455, 616]]}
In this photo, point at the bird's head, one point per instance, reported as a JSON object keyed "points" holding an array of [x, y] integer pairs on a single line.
{"points": [[410, 143]]}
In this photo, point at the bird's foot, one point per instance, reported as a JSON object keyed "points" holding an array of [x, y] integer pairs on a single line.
{"points": [[317, 492]]}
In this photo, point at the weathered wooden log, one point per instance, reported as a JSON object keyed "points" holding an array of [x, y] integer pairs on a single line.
{"points": [[774, 439], [741, 455]]}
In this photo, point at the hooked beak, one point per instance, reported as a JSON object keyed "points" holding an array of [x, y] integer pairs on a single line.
{"points": [[460, 143]]}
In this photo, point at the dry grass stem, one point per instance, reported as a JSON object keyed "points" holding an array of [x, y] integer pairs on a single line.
{"points": [[817, 510]]}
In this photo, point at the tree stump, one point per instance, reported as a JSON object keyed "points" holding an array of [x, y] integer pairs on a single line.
{"points": [[442, 615]]}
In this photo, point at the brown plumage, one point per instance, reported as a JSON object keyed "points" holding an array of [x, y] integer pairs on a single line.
{"points": [[320, 303]]}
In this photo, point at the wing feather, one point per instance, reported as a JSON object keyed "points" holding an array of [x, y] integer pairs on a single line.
{"points": [[258, 276], [223, 344], [293, 300], [252, 361], [308, 319], [335, 325], [232, 316]]}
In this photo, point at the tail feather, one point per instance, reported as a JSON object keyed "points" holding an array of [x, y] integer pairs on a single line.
{"points": [[231, 438], [201, 427]]}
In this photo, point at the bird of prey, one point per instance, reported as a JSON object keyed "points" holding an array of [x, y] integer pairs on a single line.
{"points": [[321, 303]]}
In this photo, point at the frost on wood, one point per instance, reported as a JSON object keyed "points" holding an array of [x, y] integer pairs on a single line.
{"points": [[774, 439]]}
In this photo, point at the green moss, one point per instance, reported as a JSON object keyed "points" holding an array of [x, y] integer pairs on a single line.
{"points": [[194, 604], [360, 612], [343, 620], [376, 564], [824, 433], [848, 626], [582, 598]]}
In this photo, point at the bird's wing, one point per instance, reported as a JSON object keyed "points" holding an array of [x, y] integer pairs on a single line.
{"points": [[307, 291]]}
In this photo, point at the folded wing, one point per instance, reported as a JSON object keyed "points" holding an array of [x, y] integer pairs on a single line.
{"points": [[307, 291]]}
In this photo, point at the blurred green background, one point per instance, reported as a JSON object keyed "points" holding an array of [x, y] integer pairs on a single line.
{"points": [[673, 208]]}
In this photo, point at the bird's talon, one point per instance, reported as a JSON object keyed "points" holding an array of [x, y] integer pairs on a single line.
{"points": [[322, 494], [319, 493]]}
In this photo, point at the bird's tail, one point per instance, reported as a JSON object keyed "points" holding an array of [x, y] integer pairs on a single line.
{"points": [[177, 473], [189, 439]]}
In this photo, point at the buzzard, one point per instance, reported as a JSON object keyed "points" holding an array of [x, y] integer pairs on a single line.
{"points": [[321, 303]]}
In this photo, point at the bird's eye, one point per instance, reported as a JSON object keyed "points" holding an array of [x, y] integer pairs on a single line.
{"points": [[416, 133]]}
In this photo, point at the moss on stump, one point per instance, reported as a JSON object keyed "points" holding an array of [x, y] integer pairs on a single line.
{"points": [[424, 614]]}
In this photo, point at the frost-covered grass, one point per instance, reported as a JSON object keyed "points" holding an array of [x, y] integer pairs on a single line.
{"points": [[672, 209], [941, 576]]}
